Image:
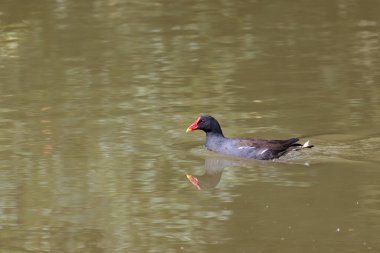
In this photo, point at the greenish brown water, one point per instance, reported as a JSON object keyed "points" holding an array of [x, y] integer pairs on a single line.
{"points": [[95, 98]]}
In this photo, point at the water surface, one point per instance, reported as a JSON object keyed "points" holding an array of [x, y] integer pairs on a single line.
{"points": [[96, 97]]}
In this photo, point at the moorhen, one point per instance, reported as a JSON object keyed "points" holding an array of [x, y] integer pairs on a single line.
{"points": [[246, 148]]}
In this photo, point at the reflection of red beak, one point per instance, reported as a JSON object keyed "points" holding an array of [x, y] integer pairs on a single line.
{"points": [[193, 126], [194, 181]]}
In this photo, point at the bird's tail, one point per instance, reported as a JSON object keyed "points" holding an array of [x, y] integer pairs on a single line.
{"points": [[307, 145]]}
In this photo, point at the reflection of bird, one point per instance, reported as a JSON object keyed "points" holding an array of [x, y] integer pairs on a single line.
{"points": [[213, 173], [247, 148]]}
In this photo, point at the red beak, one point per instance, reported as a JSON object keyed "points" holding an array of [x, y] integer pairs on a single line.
{"points": [[193, 126]]}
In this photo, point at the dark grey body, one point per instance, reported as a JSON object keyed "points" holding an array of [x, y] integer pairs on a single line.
{"points": [[250, 148]]}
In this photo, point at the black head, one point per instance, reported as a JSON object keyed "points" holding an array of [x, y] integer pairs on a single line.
{"points": [[206, 123]]}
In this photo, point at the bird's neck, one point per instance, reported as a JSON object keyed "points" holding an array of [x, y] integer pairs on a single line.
{"points": [[216, 130], [215, 134], [214, 140]]}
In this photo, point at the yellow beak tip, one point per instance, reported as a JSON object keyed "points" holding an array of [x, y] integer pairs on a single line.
{"points": [[189, 130]]}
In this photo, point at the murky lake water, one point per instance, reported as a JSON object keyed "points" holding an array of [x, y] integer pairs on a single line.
{"points": [[96, 97]]}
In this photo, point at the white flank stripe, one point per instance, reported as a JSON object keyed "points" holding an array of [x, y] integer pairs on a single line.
{"points": [[245, 147], [262, 152]]}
